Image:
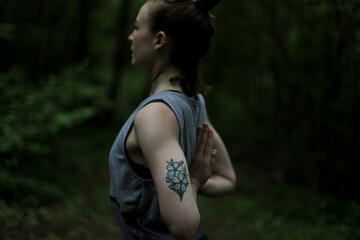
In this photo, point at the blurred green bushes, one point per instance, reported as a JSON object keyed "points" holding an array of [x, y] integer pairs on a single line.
{"points": [[48, 83], [32, 114]]}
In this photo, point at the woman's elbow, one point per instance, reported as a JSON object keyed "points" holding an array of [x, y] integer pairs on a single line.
{"points": [[183, 234], [233, 185], [184, 230], [232, 182]]}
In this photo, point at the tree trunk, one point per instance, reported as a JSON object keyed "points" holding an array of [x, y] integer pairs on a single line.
{"points": [[41, 54], [121, 46], [353, 71], [82, 41]]}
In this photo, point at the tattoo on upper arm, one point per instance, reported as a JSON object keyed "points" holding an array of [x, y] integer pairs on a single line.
{"points": [[177, 177]]}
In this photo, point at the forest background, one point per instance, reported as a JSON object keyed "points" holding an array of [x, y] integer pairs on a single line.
{"points": [[285, 100]]}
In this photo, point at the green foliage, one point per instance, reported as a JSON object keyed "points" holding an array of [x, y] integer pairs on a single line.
{"points": [[27, 191], [75, 205], [52, 222], [33, 113]]}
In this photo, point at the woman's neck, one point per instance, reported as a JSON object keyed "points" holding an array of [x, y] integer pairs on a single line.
{"points": [[161, 81]]}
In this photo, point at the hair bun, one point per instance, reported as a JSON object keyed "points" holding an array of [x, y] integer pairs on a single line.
{"points": [[206, 4]]}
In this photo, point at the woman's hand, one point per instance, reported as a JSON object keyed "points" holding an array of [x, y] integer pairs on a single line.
{"points": [[203, 163]]}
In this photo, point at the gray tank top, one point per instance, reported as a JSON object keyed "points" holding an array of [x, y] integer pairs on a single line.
{"points": [[136, 195]]}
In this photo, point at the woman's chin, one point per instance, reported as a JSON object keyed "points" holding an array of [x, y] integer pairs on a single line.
{"points": [[133, 63], [136, 64]]}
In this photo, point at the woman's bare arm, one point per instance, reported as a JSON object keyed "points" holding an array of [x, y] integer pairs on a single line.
{"points": [[157, 132]]}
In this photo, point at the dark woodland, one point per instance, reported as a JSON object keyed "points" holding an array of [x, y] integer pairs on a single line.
{"points": [[285, 98]]}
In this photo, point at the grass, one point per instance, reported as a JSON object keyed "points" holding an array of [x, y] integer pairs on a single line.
{"points": [[281, 213], [258, 210]]}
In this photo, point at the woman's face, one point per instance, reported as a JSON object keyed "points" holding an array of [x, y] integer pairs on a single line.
{"points": [[142, 40]]}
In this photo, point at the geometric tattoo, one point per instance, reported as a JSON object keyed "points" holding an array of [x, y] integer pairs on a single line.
{"points": [[178, 177]]}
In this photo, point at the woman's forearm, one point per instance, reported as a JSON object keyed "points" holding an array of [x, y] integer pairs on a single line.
{"points": [[217, 186]]}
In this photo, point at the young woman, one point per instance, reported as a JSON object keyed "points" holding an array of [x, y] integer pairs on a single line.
{"points": [[165, 153]]}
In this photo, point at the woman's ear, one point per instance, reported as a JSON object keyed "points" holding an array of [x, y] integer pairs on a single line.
{"points": [[160, 41]]}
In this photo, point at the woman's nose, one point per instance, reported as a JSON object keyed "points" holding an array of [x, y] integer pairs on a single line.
{"points": [[131, 37]]}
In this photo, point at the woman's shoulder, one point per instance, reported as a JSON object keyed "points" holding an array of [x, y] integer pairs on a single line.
{"points": [[153, 119], [154, 109], [158, 106]]}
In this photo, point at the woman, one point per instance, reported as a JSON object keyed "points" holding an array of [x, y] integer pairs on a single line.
{"points": [[153, 191]]}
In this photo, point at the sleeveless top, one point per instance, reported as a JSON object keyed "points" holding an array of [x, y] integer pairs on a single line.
{"points": [[135, 194]]}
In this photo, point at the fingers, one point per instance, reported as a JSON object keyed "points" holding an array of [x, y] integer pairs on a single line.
{"points": [[199, 131], [204, 159], [212, 160], [204, 143], [209, 144], [203, 138]]}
